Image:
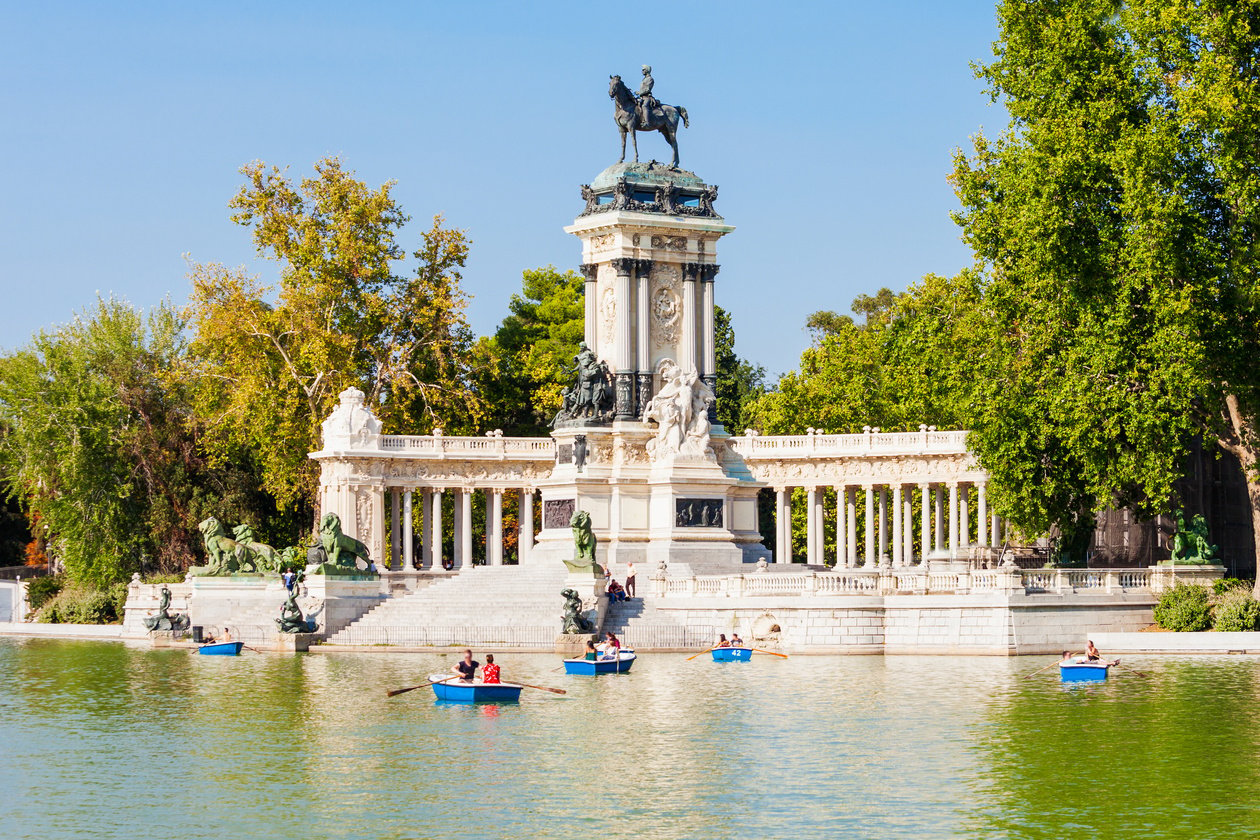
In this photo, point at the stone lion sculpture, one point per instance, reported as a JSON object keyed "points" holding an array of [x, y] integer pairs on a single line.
{"points": [[574, 621], [259, 556], [584, 543], [335, 548], [222, 556]]}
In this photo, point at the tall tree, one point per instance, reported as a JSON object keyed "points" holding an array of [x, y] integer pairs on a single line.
{"points": [[1115, 221], [271, 361], [739, 381]]}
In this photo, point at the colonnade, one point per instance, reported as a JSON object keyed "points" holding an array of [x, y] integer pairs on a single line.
{"points": [[888, 512], [416, 531]]}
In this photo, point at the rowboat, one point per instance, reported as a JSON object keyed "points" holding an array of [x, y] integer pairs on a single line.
{"points": [[589, 668], [732, 654], [451, 687], [221, 649], [1081, 670]]}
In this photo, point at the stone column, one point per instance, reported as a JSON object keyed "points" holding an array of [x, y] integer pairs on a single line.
{"points": [[925, 527], [426, 528], [997, 533], [707, 273], [813, 526], [870, 560], [850, 502], [783, 524], [897, 559], [525, 523], [465, 529], [409, 554], [953, 520], [494, 528], [964, 516], [395, 529], [883, 525], [623, 342], [982, 516], [687, 346], [907, 525], [435, 529], [940, 518], [643, 345], [842, 536], [591, 315]]}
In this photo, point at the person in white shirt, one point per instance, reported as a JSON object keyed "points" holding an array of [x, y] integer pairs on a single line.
{"points": [[630, 580]]}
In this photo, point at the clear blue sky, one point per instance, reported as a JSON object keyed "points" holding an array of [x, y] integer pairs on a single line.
{"points": [[828, 127]]}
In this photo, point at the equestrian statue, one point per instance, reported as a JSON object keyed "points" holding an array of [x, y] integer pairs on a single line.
{"points": [[644, 113]]}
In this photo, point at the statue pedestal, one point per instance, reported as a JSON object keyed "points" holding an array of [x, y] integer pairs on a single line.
{"points": [[573, 645], [294, 642]]}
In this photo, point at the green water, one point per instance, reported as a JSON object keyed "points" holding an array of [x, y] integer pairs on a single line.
{"points": [[104, 740]]}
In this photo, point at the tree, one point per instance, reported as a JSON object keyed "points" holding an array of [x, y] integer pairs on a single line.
{"points": [[1115, 222], [739, 382], [271, 361], [522, 369]]}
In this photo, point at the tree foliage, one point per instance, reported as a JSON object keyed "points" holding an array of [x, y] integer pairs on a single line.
{"points": [[1115, 222], [738, 382], [270, 362]]}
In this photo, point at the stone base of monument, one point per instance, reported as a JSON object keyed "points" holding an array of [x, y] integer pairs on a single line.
{"points": [[573, 645], [342, 600], [294, 642], [245, 604], [169, 638]]}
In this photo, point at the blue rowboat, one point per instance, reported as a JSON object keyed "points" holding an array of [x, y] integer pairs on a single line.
{"points": [[732, 654], [589, 668], [221, 649], [1082, 670], [450, 687]]}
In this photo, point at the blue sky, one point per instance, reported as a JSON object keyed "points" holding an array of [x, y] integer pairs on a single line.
{"points": [[829, 128]]}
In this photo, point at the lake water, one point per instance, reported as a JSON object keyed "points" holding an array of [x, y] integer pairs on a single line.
{"points": [[105, 740]]}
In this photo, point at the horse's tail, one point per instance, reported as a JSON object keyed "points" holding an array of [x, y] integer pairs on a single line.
{"points": [[683, 111]]}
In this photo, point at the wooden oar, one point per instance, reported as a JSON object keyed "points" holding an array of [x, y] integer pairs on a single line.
{"points": [[1131, 670], [544, 688], [772, 653], [414, 687], [701, 653], [1051, 665], [255, 650]]}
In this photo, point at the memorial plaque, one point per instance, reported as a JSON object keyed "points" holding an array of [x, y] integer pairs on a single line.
{"points": [[558, 512], [564, 453], [698, 513]]}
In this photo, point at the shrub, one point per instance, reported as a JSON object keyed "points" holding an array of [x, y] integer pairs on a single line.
{"points": [[1184, 608], [1236, 612], [1224, 585], [39, 590], [80, 606]]}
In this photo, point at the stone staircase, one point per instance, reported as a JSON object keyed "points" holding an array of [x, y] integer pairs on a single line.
{"points": [[639, 624], [509, 606]]}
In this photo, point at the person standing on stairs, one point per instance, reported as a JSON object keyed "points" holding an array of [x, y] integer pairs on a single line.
{"points": [[630, 579]]}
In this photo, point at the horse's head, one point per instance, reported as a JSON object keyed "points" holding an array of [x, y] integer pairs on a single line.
{"points": [[616, 87]]}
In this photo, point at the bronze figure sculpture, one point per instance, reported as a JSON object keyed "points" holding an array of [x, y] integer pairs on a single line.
{"points": [[644, 114]]}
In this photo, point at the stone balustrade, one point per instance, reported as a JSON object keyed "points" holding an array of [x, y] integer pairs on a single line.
{"points": [[872, 441], [880, 581]]}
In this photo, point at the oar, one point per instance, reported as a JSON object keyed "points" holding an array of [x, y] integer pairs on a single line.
{"points": [[701, 653], [255, 650], [544, 688], [772, 653], [1131, 670], [1051, 665], [414, 687]]}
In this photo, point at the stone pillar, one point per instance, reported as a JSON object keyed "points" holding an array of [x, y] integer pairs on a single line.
{"points": [[643, 345], [494, 528], [395, 530], [842, 535], [897, 559], [940, 518], [982, 516], [850, 502], [953, 520], [813, 525], [525, 523], [687, 347], [435, 529], [925, 527], [465, 529], [997, 534], [783, 524], [623, 341], [883, 525], [870, 560], [907, 525], [591, 315], [964, 516], [707, 274], [426, 529], [409, 554]]}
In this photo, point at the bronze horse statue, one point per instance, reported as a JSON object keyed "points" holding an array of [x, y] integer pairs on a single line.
{"points": [[663, 119]]}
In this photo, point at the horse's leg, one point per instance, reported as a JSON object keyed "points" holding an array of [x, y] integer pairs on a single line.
{"points": [[672, 138], [634, 135], [623, 143]]}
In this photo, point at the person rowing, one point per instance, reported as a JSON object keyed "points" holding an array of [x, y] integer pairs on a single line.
{"points": [[467, 667], [722, 642]]}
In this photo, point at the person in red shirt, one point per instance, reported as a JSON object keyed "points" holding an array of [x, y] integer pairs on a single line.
{"points": [[490, 673]]}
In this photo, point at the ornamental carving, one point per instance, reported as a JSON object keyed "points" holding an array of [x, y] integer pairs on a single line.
{"points": [[698, 513], [602, 240], [363, 511], [557, 512], [670, 243], [666, 316], [608, 310]]}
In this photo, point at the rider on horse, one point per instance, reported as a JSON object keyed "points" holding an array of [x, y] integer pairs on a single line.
{"points": [[647, 102]]}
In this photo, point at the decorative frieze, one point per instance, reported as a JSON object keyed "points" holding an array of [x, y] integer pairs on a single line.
{"points": [[698, 513], [558, 512]]}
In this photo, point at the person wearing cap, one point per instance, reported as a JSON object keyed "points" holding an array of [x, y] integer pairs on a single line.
{"points": [[646, 100]]}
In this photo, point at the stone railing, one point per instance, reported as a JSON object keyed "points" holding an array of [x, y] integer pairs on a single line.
{"points": [[914, 580], [872, 441], [493, 446]]}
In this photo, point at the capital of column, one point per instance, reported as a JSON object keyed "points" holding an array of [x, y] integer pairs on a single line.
{"points": [[624, 266], [642, 267], [588, 271], [709, 272]]}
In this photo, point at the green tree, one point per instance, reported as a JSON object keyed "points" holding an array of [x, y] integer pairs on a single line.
{"points": [[270, 362], [739, 382], [1115, 222], [521, 369]]}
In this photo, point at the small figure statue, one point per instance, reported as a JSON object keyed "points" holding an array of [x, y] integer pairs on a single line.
{"points": [[646, 101], [335, 549], [583, 545], [291, 619], [590, 397], [680, 410], [164, 620], [574, 621], [1190, 545]]}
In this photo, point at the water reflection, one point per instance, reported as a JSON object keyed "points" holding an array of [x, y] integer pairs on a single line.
{"points": [[275, 746]]}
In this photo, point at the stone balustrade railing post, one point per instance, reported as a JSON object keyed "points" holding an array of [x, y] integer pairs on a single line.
{"points": [[811, 584], [1009, 580], [693, 586], [964, 581], [658, 585], [739, 586], [1111, 581], [887, 582], [1061, 581]]}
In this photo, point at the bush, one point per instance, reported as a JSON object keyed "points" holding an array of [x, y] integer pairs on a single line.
{"points": [[1236, 612], [80, 606], [1224, 585], [41, 589], [1184, 608]]}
